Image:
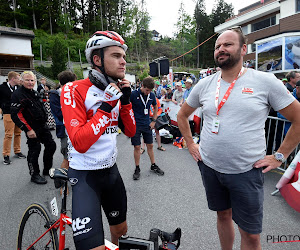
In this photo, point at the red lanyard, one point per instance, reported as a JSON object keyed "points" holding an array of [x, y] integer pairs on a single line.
{"points": [[228, 92]]}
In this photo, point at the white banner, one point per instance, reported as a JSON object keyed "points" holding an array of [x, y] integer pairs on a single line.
{"points": [[170, 76], [172, 110]]}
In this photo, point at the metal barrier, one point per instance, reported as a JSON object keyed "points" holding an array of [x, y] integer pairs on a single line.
{"points": [[275, 133]]}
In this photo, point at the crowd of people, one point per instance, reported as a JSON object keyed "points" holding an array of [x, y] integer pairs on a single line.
{"points": [[88, 113]]}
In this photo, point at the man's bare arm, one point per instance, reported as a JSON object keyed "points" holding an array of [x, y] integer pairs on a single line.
{"points": [[184, 126], [291, 140]]}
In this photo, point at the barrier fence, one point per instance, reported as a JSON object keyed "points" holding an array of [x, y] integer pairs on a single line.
{"points": [[275, 133]]}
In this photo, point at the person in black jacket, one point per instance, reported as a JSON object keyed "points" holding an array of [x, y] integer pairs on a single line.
{"points": [[28, 112], [6, 90], [54, 96]]}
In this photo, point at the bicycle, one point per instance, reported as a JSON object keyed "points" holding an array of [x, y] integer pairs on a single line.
{"points": [[37, 230]]}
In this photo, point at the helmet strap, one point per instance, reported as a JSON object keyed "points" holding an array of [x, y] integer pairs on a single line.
{"points": [[101, 68], [102, 65]]}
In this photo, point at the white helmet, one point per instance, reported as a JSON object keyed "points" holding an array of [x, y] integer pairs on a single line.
{"points": [[102, 39]]}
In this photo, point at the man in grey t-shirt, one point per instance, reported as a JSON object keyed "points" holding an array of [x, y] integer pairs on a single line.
{"points": [[178, 93], [231, 154]]}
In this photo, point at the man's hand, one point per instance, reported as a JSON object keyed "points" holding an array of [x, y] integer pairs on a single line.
{"points": [[152, 125], [110, 97], [123, 84], [126, 91], [31, 134], [269, 162], [194, 151]]}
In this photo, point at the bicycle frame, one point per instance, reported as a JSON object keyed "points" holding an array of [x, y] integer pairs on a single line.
{"points": [[61, 224]]}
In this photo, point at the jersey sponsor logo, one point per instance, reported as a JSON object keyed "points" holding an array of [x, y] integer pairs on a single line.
{"points": [[132, 116], [247, 91], [74, 123], [79, 225], [114, 116], [114, 214], [111, 130], [69, 99], [73, 181], [82, 232], [102, 122], [108, 95]]}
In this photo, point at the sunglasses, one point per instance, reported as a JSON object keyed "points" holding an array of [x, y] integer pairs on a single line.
{"points": [[236, 29]]}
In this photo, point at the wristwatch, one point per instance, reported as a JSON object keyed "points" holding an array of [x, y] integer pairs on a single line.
{"points": [[279, 157], [154, 120]]}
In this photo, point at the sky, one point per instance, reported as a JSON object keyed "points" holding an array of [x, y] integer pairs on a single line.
{"points": [[164, 13]]}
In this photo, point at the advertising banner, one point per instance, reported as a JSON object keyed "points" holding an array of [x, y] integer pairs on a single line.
{"points": [[269, 55], [292, 52], [172, 110]]}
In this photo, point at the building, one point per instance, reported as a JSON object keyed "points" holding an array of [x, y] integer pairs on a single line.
{"points": [[273, 32], [155, 36], [15, 50]]}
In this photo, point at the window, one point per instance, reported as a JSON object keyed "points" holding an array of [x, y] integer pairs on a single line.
{"points": [[265, 23], [297, 5], [245, 29], [253, 47]]}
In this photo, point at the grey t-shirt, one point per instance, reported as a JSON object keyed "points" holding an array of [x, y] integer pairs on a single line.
{"points": [[240, 141], [177, 96]]}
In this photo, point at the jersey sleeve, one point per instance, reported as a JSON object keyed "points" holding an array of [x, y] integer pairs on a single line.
{"points": [[82, 132], [16, 111], [128, 120]]}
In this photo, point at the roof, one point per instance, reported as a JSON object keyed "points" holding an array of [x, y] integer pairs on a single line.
{"points": [[16, 32]]}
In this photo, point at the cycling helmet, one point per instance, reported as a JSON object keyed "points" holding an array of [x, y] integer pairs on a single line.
{"points": [[102, 39]]}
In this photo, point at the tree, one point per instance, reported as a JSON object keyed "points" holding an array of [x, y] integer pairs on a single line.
{"points": [[7, 14], [203, 31], [185, 35], [205, 28], [59, 57], [220, 12]]}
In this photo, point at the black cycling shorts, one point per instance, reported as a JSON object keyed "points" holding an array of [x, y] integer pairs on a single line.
{"points": [[91, 190]]}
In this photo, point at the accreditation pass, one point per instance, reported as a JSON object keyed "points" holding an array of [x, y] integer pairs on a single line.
{"points": [[215, 125]]}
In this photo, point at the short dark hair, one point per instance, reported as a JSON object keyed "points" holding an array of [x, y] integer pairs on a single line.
{"points": [[148, 82], [291, 74], [66, 76], [242, 37], [98, 53]]}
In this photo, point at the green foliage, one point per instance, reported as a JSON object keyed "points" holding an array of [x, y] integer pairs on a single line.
{"points": [[78, 72], [60, 22], [45, 71], [205, 28], [143, 74], [65, 23], [59, 57]]}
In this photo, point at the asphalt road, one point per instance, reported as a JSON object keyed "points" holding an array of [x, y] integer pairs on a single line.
{"points": [[176, 199]]}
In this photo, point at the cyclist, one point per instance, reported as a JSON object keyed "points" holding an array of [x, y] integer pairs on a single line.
{"points": [[92, 109]]}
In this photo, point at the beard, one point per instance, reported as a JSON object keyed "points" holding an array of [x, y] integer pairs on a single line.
{"points": [[230, 62]]}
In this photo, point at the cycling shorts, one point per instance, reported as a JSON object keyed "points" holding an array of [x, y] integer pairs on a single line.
{"points": [[91, 190], [242, 192]]}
